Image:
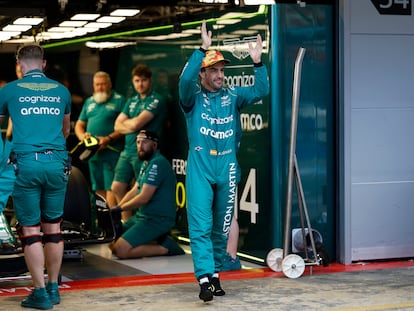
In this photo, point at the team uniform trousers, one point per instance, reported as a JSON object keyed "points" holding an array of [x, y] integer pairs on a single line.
{"points": [[40, 188]]}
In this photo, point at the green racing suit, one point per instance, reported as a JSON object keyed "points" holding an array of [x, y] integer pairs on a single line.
{"points": [[213, 125]]}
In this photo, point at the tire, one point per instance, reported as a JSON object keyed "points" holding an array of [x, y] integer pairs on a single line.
{"points": [[77, 208], [12, 265]]}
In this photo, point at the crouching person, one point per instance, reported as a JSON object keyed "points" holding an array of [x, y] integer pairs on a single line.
{"points": [[152, 200]]}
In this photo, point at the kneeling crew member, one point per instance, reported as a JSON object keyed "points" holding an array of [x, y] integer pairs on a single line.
{"points": [[152, 199]]}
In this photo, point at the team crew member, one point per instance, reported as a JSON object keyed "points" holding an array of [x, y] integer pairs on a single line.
{"points": [[211, 111], [97, 118], [40, 110], [146, 110], [153, 200]]}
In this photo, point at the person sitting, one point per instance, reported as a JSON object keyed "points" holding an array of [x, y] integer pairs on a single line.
{"points": [[152, 198]]}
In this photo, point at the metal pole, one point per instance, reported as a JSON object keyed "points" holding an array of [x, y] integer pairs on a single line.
{"points": [[305, 211], [292, 149]]}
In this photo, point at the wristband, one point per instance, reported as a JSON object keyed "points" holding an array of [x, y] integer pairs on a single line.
{"points": [[259, 64], [202, 50]]}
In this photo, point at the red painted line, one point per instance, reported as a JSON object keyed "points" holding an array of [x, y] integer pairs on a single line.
{"points": [[8, 288]]}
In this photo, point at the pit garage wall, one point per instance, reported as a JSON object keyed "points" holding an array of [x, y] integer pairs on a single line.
{"points": [[377, 113], [253, 206], [262, 155]]}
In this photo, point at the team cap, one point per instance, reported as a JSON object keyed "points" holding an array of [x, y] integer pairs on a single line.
{"points": [[148, 135], [213, 57]]}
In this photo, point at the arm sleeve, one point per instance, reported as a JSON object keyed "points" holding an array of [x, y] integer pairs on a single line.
{"points": [[156, 173], [156, 105], [82, 116], [68, 107], [188, 84], [3, 104], [254, 93]]}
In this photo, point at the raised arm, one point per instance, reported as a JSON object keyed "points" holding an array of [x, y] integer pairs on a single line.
{"points": [[255, 52], [205, 36]]}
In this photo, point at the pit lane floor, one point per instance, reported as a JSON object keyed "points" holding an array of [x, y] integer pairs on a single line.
{"points": [[101, 282]]}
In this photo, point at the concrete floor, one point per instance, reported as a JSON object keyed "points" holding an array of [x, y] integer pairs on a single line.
{"points": [[365, 287]]}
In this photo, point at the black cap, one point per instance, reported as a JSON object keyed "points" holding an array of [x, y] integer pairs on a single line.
{"points": [[148, 135]]}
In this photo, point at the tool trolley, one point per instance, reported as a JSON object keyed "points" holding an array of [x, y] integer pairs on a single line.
{"points": [[278, 259]]}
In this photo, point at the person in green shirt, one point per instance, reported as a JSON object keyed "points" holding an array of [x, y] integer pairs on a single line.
{"points": [[39, 108], [147, 109], [152, 200], [97, 118]]}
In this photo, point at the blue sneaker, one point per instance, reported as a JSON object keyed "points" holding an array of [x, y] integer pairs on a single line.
{"points": [[230, 263], [38, 299], [53, 292]]}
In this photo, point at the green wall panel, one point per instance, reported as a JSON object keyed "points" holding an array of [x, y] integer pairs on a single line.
{"points": [[311, 28]]}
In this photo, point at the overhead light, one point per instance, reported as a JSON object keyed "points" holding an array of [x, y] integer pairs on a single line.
{"points": [[21, 28], [44, 35], [91, 29], [73, 23], [214, 1], [258, 2], [260, 27], [97, 25], [9, 34], [28, 21], [244, 32], [124, 12], [231, 15], [228, 21], [72, 34], [167, 37], [195, 31], [4, 36], [61, 29], [108, 45], [24, 39], [80, 31], [217, 27], [111, 19], [50, 35], [85, 17]]}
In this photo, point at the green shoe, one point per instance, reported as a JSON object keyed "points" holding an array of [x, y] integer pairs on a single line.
{"points": [[230, 263], [173, 248], [53, 292], [38, 299]]}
